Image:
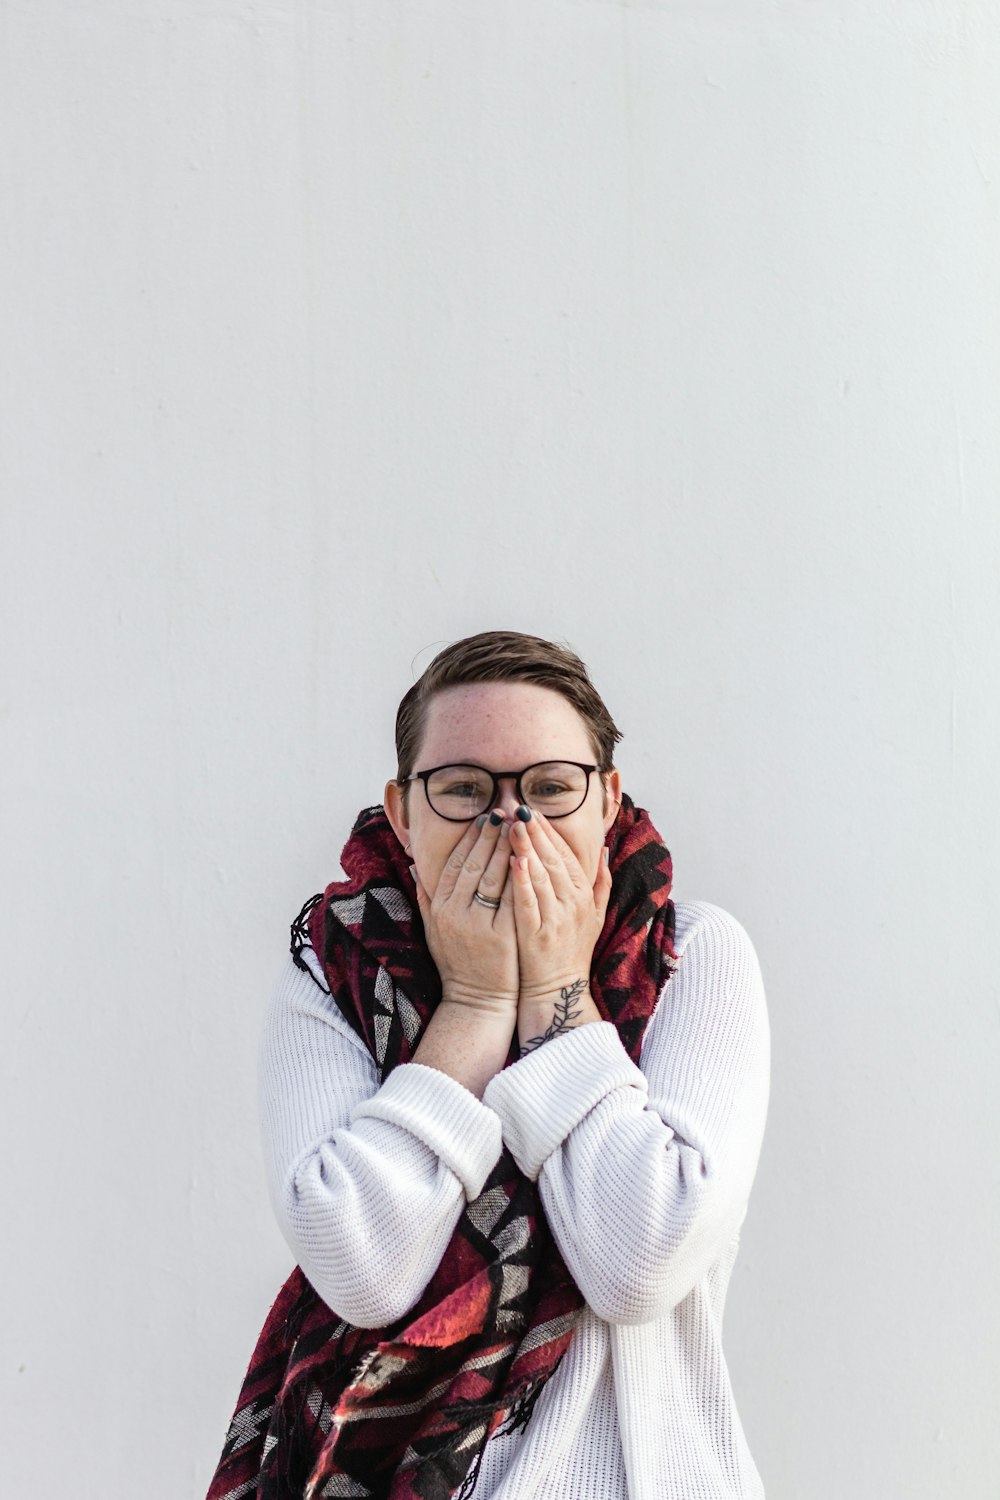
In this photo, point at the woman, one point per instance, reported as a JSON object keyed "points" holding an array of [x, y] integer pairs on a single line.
{"points": [[513, 1098]]}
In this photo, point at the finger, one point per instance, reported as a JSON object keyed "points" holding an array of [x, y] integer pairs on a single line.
{"points": [[454, 863], [507, 893], [602, 885], [421, 893], [504, 919], [548, 898], [477, 858], [534, 836], [527, 917], [570, 862], [495, 875]]}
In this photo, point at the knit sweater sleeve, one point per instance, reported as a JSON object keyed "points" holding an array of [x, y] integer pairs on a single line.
{"points": [[645, 1173], [367, 1183]]}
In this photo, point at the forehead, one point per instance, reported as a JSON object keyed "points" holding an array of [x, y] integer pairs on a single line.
{"points": [[502, 725]]}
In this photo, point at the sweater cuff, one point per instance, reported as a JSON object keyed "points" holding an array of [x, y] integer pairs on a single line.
{"points": [[443, 1114], [544, 1094]]}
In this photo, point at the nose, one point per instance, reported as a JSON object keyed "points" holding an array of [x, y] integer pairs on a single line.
{"points": [[507, 802]]}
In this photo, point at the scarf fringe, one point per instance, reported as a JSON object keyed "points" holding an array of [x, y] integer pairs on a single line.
{"points": [[301, 938], [518, 1417]]}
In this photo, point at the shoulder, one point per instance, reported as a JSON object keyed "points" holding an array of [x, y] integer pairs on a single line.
{"points": [[299, 998], [717, 978], [706, 934], [301, 985]]}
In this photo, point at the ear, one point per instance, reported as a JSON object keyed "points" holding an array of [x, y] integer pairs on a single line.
{"points": [[393, 804], [613, 782]]}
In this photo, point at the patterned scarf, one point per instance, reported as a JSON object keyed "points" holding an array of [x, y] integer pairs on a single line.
{"points": [[404, 1412]]}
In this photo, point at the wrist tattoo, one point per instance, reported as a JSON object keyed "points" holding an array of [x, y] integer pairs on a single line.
{"points": [[562, 1016]]}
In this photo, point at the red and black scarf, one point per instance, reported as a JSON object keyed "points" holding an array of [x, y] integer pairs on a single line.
{"points": [[404, 1412]]}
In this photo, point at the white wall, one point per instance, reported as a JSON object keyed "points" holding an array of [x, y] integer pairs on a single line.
{"points": [[335, 332]]}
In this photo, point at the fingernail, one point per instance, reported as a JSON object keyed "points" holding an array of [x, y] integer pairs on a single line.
{"points": [[524, 813], [480, 820], [413, 872], [496, 817], [607, 855]]}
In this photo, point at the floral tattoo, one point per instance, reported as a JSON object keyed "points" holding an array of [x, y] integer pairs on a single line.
{"points": [[562, 1015]]}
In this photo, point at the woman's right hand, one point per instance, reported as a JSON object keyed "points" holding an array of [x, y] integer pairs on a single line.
{"points": [[474, 947]]}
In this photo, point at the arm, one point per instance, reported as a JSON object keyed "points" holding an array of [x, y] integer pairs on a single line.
{"points": [[645, 1174], [469, 1045], [367, 1183]]}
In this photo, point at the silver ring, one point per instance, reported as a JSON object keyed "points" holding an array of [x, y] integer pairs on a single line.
{"points": [[484, 901]]}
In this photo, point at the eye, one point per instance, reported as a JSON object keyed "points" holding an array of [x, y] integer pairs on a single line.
{"points": [[458, 784]]}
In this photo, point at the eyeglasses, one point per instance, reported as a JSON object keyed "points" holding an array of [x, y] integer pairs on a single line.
{"points": [[459, 793]]}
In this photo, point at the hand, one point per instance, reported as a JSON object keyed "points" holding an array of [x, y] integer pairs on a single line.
{"points": [[474, 948], [558, 914]]}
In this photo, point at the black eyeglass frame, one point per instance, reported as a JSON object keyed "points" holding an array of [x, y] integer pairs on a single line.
{"points": [[499, 776]]}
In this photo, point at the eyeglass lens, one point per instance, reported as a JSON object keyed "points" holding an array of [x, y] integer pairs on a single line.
{"points": [[461, 792]]}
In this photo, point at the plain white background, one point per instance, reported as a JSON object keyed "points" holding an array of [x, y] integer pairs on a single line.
{"points": [[334, 332]]}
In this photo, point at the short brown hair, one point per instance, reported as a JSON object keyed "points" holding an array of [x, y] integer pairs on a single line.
{"points": [[504, 656]]}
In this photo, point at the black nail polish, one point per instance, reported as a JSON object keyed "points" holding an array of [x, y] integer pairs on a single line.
{"points": [[496, 817], [480, 820], [524, 813]]}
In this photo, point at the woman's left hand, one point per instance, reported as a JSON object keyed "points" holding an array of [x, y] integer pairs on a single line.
{"points": [[558, 914]]}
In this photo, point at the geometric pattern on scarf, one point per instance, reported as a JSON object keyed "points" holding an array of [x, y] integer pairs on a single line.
{"points": [[405, 1411]]}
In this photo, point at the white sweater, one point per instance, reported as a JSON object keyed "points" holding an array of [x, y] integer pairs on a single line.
{"points": [[644, 1174]]}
